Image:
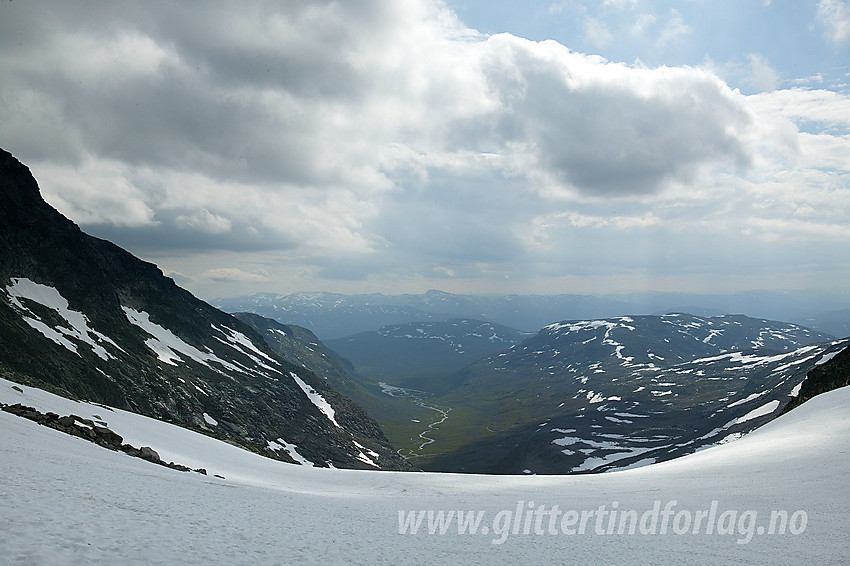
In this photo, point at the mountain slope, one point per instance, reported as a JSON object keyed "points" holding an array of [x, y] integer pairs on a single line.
{"points": [[85, 318], [832, 374], [399, 415], [593, 395]]}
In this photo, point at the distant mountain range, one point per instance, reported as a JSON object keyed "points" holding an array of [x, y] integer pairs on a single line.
{"points": [[419, 350], [332, 315], [83, 318]]}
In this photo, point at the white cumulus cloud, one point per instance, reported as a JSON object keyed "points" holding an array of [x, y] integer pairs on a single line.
{"points": [[336, 141]]}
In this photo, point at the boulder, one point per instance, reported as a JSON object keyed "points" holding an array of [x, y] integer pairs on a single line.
{"points": [[67, 421], [111, 438], [149, 454]]}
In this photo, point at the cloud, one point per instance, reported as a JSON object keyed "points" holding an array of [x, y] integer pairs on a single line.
{"points": [[835, 17], [673, 31], [662, 34], [642, 24], [608, 129], [826, 107], [302, 100], [333, 141], [556, 8], [96, 192], [205, 221], [232, 274], [762, 76], [596, 32], [621, 4], [179, 278]]}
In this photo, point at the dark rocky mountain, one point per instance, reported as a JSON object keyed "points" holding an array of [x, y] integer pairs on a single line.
{"points": [[832, 374], [84, 318], [302, 348], [413, 354], [595, 395]]}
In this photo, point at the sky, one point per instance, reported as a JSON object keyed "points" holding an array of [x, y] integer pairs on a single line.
{"points": [[470, 146]]}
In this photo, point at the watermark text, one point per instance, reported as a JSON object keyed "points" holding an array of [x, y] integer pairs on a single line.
{"points": [[663, 518]]}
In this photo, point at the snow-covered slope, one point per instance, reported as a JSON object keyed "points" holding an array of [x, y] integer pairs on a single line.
{"points": [[66, 501]]}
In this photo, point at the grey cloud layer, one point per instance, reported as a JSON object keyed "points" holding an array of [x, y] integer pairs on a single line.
{"points": [[377, 130], [608, 129], [275, 91]]}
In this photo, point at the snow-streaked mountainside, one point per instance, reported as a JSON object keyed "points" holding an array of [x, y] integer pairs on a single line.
{"points": [[595, 395], [68, 501], [301, 347], [86, 319]]}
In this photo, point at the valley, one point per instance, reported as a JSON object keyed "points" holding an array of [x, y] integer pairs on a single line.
{"points": [[577, 396], [420, 399], [592, 395]]}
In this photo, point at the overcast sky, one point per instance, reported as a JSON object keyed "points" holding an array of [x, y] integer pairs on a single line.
{"points": [[471, 146]]}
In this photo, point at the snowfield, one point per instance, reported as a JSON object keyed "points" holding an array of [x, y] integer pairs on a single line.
{"points": [[64, 500]]}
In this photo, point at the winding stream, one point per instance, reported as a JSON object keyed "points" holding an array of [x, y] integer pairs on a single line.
{"points": [[419, 398]]}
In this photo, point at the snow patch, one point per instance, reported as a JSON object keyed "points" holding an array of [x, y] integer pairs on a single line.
{"points": [[23, 288], [747, 399], [765, 409], [316, 399], [243, 344], [827, 357], [363, 457], [168, 347], [291, 449]]}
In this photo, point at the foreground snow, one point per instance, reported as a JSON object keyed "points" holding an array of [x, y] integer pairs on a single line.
{"points": [[66, 501]]}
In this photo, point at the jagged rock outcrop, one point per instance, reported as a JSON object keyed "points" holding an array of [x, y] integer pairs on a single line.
{"points": [[831, 375]]}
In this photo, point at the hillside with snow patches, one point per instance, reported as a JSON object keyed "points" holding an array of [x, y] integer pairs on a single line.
{"points": [[84, 318], [594, 395], [775, 496], [400, 416]]}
